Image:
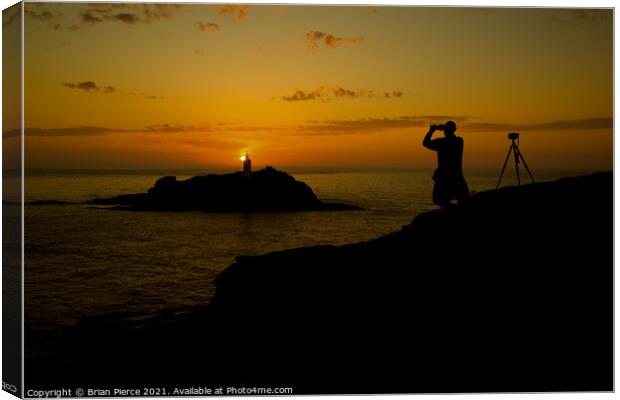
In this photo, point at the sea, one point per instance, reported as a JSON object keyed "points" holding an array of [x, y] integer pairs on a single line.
{"points": [[85, 261]]}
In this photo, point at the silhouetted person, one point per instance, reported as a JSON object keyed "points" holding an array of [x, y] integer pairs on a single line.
{"points": [[449, 180]]}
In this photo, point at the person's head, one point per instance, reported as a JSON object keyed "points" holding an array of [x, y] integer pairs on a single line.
{"points": [[449, 128]]}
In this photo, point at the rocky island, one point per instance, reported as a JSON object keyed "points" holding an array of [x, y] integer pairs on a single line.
{"points": [[512, 291], [264, 190]]}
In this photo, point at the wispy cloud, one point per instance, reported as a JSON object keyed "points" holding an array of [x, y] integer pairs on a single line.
{"points": [[321, 128], [176, 128], [369, 125], [94, 14], [99, 130], [317, 39], [71, 131], [207, 26], [135, 13], [42, 15], [89, 86], [12, 14], [436, 118], [357, 126], [87, 130], [563, 125], [90, 19], [237, 11], [325, 93], [223, 127], [393, 95], [580, 16], [127, 18], [300, 95], [92, 87]]}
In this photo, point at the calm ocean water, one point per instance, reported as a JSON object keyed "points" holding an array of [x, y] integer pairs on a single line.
{"points": [[82, 261]]}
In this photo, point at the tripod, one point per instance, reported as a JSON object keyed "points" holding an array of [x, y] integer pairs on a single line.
{"points": [[514, 148]]}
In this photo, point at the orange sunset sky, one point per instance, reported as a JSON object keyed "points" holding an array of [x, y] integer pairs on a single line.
{"points": [[195, 86]]}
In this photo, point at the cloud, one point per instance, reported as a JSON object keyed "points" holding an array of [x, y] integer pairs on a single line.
{"points": [[316, 39], [207, 26], [563, 125], [176, 128], [394, 94], [128, 14], [127, 18], [205, 128], [578, 17], [88, 86], [300, 95], [13, 13], [368, 125], [324, 93], [437, 118], [249, 128], [237, 11], [87, 130], [88, 18], [71, 131], [356, 126], [94, 14], [41, 16], [98, 130], [326, 127], [155, 12], [340, 92]]}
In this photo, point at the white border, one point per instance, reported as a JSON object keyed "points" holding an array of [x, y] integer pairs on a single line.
{"points": [[477, 3]]}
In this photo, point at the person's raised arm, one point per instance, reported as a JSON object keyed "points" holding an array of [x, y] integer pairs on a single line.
{"points": [[427, 142]]}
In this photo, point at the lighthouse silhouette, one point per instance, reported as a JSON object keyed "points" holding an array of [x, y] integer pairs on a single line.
{"points": [[247, 166]]}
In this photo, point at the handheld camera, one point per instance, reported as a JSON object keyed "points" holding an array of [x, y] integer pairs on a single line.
{"points": [[513, 136]]}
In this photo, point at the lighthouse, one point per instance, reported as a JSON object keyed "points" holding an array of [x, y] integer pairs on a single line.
{"points": [[247, 165]]}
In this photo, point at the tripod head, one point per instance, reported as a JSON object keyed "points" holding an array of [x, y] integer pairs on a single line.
{"points": [[513, 136]]}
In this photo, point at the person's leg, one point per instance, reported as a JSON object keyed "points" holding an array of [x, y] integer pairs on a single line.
{"points": [[463, 193], [440, 197]]}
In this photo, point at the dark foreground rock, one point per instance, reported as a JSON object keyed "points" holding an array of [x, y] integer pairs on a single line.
{"points": [[510, 292], [265, 190]]}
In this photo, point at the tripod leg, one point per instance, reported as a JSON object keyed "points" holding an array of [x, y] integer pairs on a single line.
{"points": [[515, 149], [504, 168], [525, 165]]}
